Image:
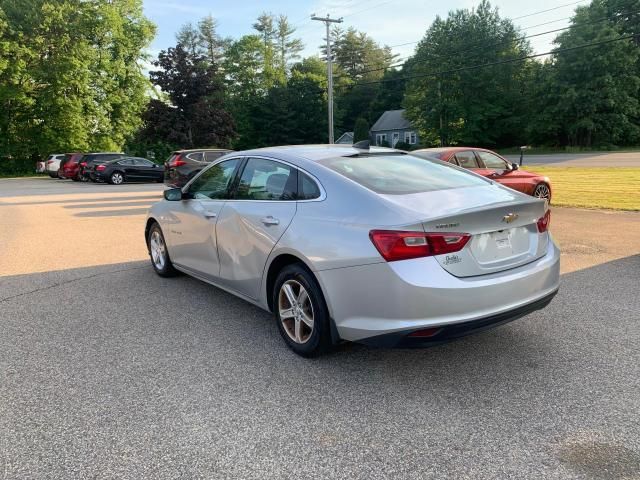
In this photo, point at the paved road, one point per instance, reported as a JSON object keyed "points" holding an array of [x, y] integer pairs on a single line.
{"points": [[108, 371], [602, 159]]}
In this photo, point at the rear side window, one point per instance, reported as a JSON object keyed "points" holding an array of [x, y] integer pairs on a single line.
{"points": [[401, 174], [307, 188], [267, 180], [195, 156], [467, 160]]}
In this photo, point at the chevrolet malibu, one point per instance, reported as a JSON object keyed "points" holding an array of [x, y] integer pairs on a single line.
{"points": [[365, 245]]}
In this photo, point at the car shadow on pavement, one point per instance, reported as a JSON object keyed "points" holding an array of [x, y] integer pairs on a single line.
{"points": [[136, 373]]}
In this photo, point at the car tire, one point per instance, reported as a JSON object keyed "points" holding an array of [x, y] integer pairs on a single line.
{"points": [[303, 339], [159, 253], [116, 178], [53, 175], [542, 190], [75, 179]]}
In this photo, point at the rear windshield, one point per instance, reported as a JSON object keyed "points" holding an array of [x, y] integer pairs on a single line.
{"points": [[401, 174]]}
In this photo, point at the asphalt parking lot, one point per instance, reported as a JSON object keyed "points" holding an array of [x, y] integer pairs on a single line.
{"points": [[109, 371]]}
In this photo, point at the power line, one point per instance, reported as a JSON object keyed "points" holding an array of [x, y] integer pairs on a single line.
{"points": [[372, 7], [549, 10], [479, 46], [502, 62], [516, 18]]}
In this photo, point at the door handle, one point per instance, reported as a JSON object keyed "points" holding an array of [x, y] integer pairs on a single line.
{"points": [[210, 214], [270, 220]]}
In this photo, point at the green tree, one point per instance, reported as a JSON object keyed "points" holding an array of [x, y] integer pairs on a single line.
{"points": [[70, 77], [480, 106], [593, 92], [288, 48], [361, 130]]}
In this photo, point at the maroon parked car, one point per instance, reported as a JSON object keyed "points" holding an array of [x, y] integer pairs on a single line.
{"points": [[491, 165], [69, 166]]}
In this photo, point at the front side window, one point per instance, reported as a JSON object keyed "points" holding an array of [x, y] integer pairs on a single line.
{"points": [[214, 182], [401, 174], [467, 160], [492, 161], [267, 180]]}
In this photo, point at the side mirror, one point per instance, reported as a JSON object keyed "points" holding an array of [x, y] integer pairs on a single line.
{"points": [[514, 167], [173, 194]]}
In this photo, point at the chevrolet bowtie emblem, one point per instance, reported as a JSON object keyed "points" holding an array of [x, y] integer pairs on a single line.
{"points": [[512, 217]]}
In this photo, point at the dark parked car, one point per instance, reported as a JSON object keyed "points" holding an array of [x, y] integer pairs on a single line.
{"points": [[182, 165], [69, 166], [127, 169], [90, 160]]}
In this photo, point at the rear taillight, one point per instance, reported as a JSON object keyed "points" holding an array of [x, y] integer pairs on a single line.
{"points": [[83, 164], [544, 222], [177, 162], [395, 245], [49, 162], [100, 168]]}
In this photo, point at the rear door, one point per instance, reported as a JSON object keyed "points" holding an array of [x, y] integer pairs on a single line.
{"points": [[192, 230], [253, 220]]}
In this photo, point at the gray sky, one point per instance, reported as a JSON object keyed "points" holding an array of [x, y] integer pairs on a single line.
{"points": [[390, 22]]}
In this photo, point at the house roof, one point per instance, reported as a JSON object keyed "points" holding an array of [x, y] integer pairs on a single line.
{"points": [[345, 135], [391, 120]]}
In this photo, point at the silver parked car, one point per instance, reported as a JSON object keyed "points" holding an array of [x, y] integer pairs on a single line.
{"points": [[373, 246]]}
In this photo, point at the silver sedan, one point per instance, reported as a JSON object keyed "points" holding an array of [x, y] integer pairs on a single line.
{"points": [[365, 245]]}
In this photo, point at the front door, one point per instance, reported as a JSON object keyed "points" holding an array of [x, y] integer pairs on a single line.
{"points": [[252, 222], [498, 169], [192, 228]]}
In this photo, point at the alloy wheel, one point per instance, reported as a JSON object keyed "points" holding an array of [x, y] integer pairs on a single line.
{"points": [[542, 191], [117, 178], [296, 311], [158, 250]]}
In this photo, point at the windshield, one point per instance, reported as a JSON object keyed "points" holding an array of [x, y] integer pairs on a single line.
{"points": [[402, 174]]}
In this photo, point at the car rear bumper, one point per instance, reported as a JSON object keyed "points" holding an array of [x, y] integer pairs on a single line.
{"points": [[399, 298], [446, 333]]}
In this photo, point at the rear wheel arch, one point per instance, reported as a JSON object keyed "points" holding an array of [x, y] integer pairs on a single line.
{"points": [[275, 267]]}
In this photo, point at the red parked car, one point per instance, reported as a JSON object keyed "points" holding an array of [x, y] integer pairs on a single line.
{"points": [[491, 165], [69, 166]]}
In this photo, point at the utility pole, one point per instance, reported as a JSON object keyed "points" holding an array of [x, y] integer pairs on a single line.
{"points": [[327, 21]]}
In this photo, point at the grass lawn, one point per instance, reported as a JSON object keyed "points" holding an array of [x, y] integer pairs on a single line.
{"points": [[593, 187], [548, 150]]}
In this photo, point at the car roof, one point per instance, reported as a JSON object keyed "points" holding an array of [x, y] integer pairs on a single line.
{"points": [[104, 153], [317, 152], [187, 150], [453, 149]]}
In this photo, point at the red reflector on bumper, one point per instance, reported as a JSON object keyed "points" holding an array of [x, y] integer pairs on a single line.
{"points": [[426, 333]]}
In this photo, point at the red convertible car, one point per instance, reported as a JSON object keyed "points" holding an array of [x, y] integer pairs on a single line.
{"points": [[491, 165]]}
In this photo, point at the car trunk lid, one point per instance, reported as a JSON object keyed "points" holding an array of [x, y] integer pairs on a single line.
{"points": [[502, 225]]}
